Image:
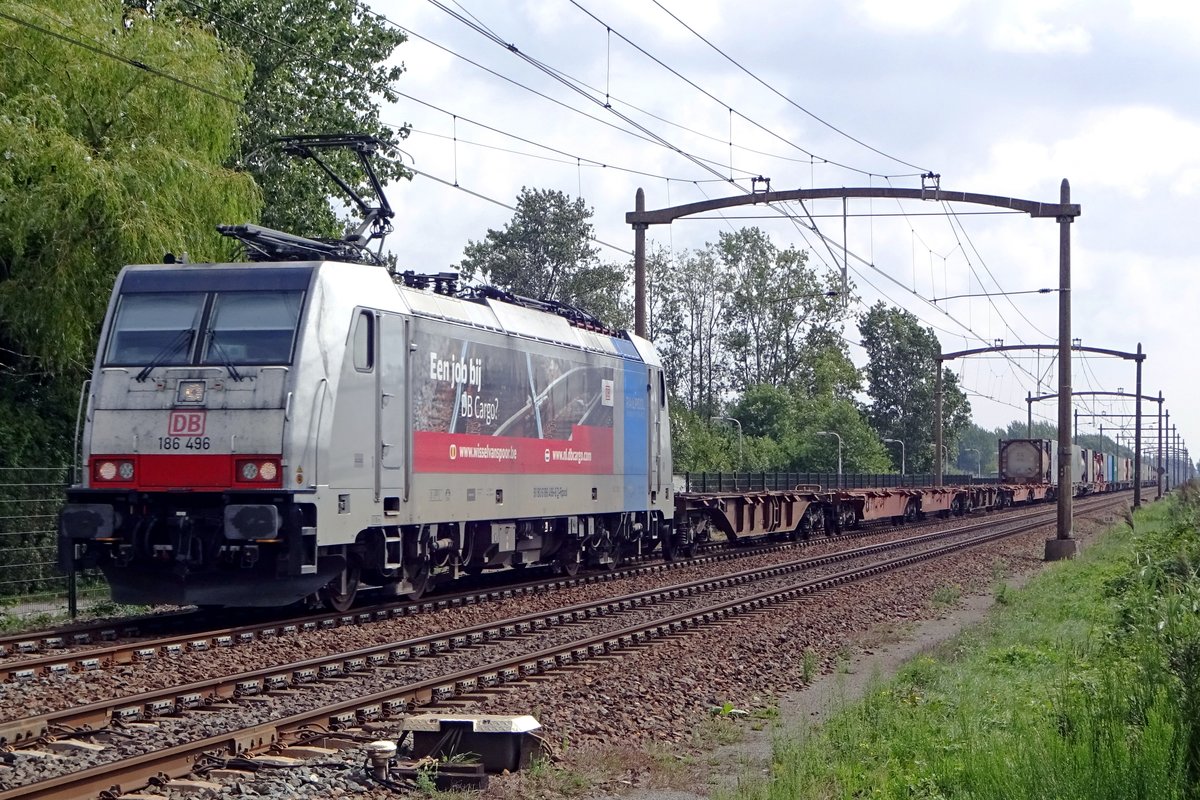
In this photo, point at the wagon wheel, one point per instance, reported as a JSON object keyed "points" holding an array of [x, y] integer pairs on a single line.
{"points": [[339, 593], [910, 511]]}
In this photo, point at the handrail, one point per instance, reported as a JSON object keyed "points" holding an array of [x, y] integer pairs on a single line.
{"points": [[317, 414], [77, 447]]}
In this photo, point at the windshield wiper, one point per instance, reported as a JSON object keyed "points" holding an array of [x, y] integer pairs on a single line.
{"points": [[226, 361], [182, 339]]}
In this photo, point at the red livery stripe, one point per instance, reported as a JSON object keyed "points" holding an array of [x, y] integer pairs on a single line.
{"points": [[207, 472], [589, 451]]}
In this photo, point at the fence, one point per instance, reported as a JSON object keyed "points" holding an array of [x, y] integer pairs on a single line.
{"points": [[764, 481], [30, 580]]}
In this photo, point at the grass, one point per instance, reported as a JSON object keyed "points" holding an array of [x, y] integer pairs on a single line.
{"points": [[97, 609], [1083, 684], [946, 595]]}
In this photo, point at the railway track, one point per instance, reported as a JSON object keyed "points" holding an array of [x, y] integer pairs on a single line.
{"points": [[262, 707], [117, 640]]}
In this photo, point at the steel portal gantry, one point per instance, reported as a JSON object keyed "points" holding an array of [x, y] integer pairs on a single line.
{"points": [[1064, 212]]}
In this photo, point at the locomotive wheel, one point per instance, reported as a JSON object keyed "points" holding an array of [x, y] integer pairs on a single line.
{"points": [[419, 579], [568, 565], [333, 595]]}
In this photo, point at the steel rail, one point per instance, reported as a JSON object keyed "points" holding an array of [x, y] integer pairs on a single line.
{"points": [[179, 760], [201, 693], [31, 643]]}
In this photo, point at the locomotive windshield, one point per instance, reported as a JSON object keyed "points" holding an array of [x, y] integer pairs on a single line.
{"points": [[191, 328], [155, 327], [251, 327]]}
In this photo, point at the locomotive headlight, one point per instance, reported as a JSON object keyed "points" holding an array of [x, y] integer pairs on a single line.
{"points": [[268, 471], [190, 392], [126, 470], [107, 470], [249, 471]]}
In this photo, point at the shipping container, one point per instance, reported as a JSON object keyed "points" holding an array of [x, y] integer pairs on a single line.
{"points": [[1027, 461]]}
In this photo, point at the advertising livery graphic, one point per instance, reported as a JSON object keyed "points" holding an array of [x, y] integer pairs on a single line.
{"points": [[480, 408]]}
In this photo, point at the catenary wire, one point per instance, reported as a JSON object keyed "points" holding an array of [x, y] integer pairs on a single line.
{"points": [[209, 92], [781, 95], [720, 102], [133, 62]]}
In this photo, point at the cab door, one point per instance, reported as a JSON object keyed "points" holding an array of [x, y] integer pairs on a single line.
{"points": [[394, 412]]}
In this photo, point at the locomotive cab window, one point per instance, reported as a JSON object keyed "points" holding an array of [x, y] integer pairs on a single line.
{"points": [[252, 327], [155, 327], [364, 341]]}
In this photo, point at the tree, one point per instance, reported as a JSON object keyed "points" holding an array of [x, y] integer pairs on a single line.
{"points": [[546, 252], [689, 329], [317, 66], [102, 164], [105, 165], [1019, 429], [776, 303], [901, 359], [985, 445]]}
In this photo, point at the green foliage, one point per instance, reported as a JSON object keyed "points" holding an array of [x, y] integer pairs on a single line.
{"points": [[778, 434], [688, 328], [986, 447], [318, 66], [743, 313], [101, 164], [545, 252], [1086, 684], [946, 595], [775, 304], [105, 165], [1019, 429], [902, 357]]}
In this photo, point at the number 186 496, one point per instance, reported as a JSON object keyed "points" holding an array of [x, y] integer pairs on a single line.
{"points": [[184, 443]]}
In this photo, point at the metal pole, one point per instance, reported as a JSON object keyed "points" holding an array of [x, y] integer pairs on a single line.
{"points": [[1175, 455], [1159, 471], [1029, 411], [840, 481], [1075, 432], [1167, 456], [1064, 544], [639, 268], [937, 424], [1137, 433], [72, 585]]}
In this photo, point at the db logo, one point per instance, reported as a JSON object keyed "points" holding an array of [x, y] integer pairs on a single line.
{"points": [[186, 423], [453, 452]]}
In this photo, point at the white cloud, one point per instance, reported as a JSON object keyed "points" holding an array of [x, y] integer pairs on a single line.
{"points": [[1028, 35], [1136, 149], [914, 16]]}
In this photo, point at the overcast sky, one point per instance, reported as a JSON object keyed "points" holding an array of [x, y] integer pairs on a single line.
{"points": [[1004, 97]]}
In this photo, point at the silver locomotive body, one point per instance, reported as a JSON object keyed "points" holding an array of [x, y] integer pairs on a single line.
{"points": [[257, 433]]}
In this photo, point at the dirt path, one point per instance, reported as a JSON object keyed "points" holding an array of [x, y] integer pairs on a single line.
{"points": [[878, 655]]}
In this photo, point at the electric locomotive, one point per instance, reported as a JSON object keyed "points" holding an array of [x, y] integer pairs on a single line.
{"points": [[258, 433]]}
